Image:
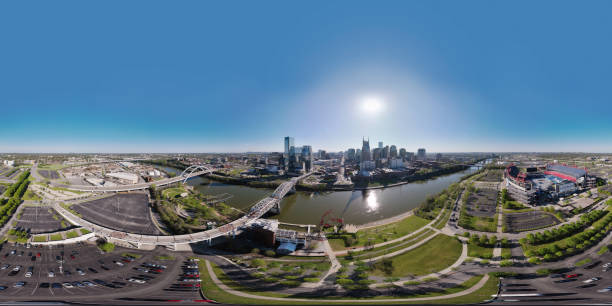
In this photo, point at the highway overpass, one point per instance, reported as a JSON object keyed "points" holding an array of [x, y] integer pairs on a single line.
{"points": [[179, 242]]}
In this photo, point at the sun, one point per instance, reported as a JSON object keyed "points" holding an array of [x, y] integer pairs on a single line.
{"points": [[372, 105]]}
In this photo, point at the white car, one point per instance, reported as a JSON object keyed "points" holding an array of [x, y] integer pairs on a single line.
{"points": [[51, 274], [89, 284], [134, 280], [607, 289], [28, 274], [590, 280], [119, 263], [67, 285]]}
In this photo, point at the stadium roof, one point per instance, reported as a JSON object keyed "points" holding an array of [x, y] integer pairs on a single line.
{"points": [[575, 172]]}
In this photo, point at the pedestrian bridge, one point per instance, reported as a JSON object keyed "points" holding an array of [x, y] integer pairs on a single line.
{"points": [[177, 242]]}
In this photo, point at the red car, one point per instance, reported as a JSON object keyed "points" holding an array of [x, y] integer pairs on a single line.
{"points": [[71, 256], [571, 275], [37, 254]]}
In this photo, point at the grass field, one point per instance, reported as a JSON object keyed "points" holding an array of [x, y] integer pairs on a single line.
{"points": [[39, 239], [56, 237], [479, 251], [433, 256], [506, 253], [173, 192], [212, 291], [72, 234], [84, 231], [384, 232]]}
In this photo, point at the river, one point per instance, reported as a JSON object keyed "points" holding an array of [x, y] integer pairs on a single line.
{"points": [[355, 207]]}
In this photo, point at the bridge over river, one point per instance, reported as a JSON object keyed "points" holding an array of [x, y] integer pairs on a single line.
{"points": [[182, 241]]}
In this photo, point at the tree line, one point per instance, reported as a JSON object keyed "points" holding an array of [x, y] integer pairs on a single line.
{"points": [[14, 192]]}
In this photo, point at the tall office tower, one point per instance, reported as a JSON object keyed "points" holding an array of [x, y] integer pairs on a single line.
{"points": [[322, 154], [365, 150], [288, 144], [393, 152], [376, 154], [438, 156], [380, 144], [421, 154], [410, 156], [402, 153], [351, 154], [307, 157], [358, 154], [385, 152]]}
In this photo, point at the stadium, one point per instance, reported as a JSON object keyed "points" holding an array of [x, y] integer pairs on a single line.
{"points": [[547, 183]]}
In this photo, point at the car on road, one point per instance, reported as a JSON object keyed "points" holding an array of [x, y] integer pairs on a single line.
{"points": [[5, 266], [92, 270], [56, 285], [13, 252], [80, 272], [33, 258], [67, 285], [587, 285], [28, 274], [565, 280], [590, 280], [89, 284], [51, 274], [571, 275], [192, 280], [3, 288], [37, 254], [119, 263], [135, 280], [17, 268], [44, 285], [19, 284], [607, 289]]}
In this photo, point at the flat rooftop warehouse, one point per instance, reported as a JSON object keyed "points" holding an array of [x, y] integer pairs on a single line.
{"points": [[123, 212]]}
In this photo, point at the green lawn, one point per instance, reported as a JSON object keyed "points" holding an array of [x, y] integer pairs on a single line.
{"points": [[433, 256], [583, 262], [384, 233], [479, 251], [39, 238], [173, 192], [31, 196], [506, 253], [56, 237], [84, 231], [212, 291], [72, 234]]}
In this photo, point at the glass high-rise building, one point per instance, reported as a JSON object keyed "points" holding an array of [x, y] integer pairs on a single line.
{"points": [[288, 144]]}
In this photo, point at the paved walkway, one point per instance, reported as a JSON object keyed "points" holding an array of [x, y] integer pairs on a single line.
{"points": [[229, 290]]}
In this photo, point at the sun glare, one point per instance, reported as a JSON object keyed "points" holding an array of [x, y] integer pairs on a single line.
{"points": [[372, 105]]}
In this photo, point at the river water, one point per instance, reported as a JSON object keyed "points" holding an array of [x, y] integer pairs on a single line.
{"points": [[355, 207]]}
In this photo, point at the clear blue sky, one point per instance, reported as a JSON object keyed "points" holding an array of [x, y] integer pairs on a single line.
{"points": [[219, 76]]}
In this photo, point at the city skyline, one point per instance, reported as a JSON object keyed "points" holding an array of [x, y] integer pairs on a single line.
{"points": [[211, 79]]}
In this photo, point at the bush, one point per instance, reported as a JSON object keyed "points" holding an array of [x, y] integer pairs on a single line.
{"points": [[258, 263], [255, 251], [106, 247], [344, 281], [290, 283], [506, 263], [270, 279], [412, 283], [270, 253]]}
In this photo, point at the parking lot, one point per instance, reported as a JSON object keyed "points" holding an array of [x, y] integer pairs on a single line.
{"points": [[523, 221], [38, 219], [125, 212], [482, 203], [569, 286], [492, 176], [49, 174], [82, 270]]}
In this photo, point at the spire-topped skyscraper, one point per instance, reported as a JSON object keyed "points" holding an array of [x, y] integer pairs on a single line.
{"points": [[365, 150]]}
